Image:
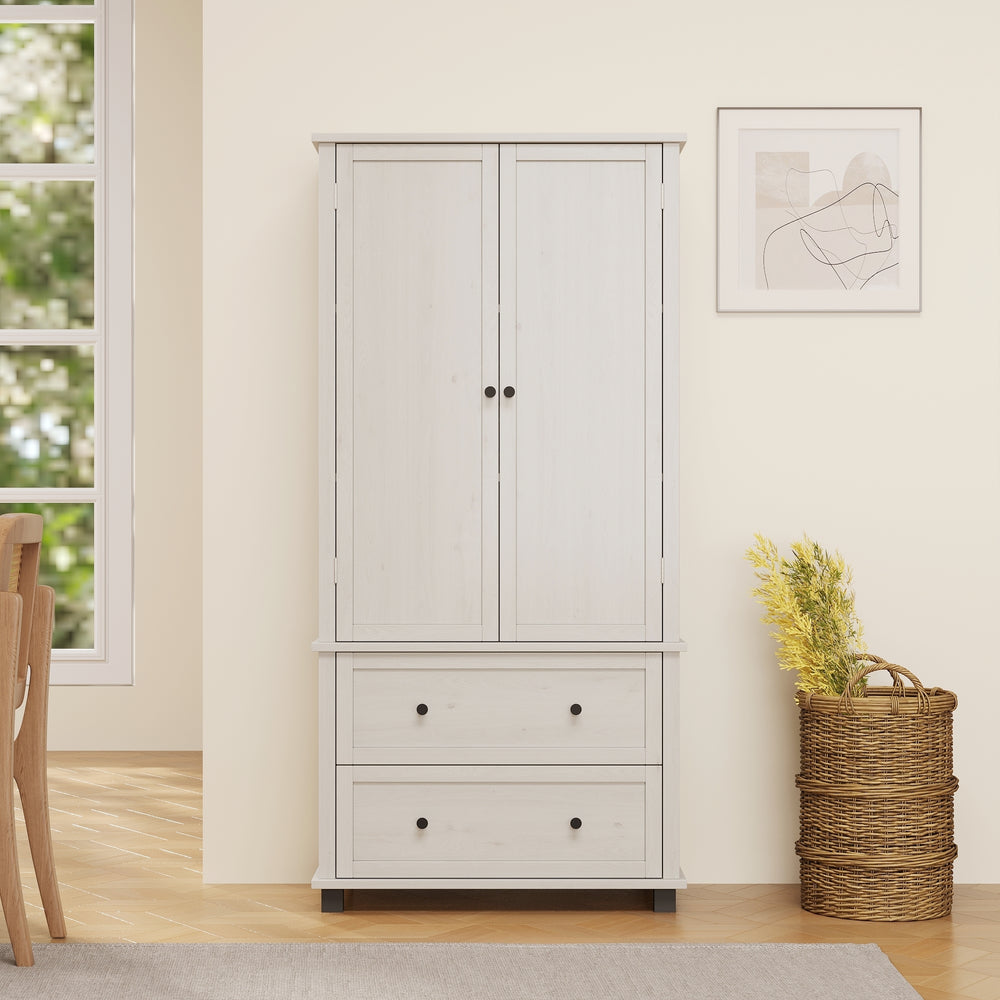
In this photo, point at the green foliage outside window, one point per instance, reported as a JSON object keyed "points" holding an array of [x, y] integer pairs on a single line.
{"points": [[67, 566], [46, 255], [47, 414], [47, 93]]}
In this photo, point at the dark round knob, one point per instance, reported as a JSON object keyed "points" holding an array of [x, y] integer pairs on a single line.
{"points": [[508, 391], [490, 391], [575, 709], [421, 709], [576, 823], [421, 823]]}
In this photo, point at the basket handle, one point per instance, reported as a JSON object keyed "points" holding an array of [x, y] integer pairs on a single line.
{"points": [[869, 663]]}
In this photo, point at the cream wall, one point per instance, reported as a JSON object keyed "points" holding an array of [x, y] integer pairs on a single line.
{"points": [[162, 710], [877, 434]]}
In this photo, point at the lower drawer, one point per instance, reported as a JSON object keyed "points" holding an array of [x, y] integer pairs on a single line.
{"points": [[499, 821]]}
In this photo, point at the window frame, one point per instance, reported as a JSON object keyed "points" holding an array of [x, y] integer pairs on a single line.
{"points": [[111, 661]]}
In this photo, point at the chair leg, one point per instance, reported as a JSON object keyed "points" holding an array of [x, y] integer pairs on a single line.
{"points": [[35, 806], [11, 896], [30, 766]]}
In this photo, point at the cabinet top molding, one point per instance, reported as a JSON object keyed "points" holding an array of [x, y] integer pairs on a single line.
{"points": [[521, 646], [321, 138]]}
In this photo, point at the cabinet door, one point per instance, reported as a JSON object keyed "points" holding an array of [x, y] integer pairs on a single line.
{"points": [[581, 346], [416, 479]]}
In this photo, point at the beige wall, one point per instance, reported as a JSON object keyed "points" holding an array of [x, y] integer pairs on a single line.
{"points": [[878, 434], [162, 710]]}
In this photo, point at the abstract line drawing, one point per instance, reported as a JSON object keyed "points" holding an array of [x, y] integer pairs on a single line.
{"points": [[819, 210], [847, 237]]}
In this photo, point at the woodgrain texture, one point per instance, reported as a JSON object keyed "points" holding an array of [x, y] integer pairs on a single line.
{"points": [[30, 765], [499, 708], [11, 896], [416, 344], [128, 846], [499, 478], [26, 622], [578, 313], [495, 821]]}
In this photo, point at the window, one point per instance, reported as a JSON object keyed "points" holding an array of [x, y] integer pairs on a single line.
{"points": [[66, 315]]}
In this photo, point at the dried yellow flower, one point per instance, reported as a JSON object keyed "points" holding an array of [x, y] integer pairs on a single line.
{"points": [[810, 601]]}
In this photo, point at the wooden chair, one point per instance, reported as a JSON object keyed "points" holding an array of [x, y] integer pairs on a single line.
{"points": [[26, 619]]}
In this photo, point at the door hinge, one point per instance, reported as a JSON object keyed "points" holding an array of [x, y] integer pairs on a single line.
{"points": [[335, 571], [663, 196], [663, 571], [335, 197]]}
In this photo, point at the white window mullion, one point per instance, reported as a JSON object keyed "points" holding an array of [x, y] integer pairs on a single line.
{"points": [[47, 172], [83, 494], [117, 226], [110, 661], [47, 338], [48, 13]]}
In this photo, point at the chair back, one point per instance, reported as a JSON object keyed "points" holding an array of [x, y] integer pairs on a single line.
{"points": [[20, 550]]}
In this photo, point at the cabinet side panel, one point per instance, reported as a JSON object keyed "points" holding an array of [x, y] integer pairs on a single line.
{"points": [[671, 765], [655, 566], [343, 367], [326, 244], [327, 762], [671, 391], [580, 405], [417, 403]]}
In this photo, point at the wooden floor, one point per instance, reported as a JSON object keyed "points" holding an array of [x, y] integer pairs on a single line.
{"points": [[127, 832]]}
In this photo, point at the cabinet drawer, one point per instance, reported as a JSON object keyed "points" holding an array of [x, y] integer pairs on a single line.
{"points": [[503, 822], [499, 708]]}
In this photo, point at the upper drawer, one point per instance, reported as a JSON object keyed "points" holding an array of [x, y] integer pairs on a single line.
{"points": [[437, 708]]}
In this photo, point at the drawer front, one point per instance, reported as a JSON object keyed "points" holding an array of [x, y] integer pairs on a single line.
{"points": [[439, 822], [504, 708]]}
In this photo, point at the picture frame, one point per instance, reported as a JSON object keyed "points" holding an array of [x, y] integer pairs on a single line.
{"points": [[819, 210]]}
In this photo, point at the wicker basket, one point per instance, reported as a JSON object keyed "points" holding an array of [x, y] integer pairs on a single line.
{"points": [[876, 817]]}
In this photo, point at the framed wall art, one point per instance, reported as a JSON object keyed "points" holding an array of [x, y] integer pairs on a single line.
{"points": [[819, 210]]}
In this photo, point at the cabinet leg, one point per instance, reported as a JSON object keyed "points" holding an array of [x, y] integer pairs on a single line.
{"points": [[664, 900], [333, 900]]}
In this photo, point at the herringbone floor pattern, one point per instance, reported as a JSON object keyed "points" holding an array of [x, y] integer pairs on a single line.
{"points": [[127, 830]]}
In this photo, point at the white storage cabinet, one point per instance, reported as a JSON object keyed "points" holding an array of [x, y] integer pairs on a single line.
{"points": [[498, 638]]}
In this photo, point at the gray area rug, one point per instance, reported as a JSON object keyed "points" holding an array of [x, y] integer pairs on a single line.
{"points": [[388, 971]]}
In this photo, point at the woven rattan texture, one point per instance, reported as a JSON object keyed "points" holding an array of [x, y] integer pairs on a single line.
{"points": [[888, 829], [883, 894], [881, 749], [877, 791]]}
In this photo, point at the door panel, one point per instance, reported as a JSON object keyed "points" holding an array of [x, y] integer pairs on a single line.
{"points": [[416, 437], [581, 504]]}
